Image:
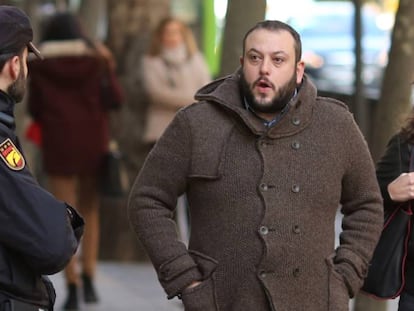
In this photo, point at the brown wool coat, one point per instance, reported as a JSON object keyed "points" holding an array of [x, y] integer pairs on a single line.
{"points": [[263, 204]]}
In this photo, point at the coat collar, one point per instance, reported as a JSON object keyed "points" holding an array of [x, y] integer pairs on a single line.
{"points": [[62, 48], [225, 92]]}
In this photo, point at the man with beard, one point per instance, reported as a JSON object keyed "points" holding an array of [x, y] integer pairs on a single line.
{"points": [[38, 233], [265, 164]]}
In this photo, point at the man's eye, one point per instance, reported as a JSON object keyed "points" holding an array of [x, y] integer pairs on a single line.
{"points": [[254, 58], [278, 60]]}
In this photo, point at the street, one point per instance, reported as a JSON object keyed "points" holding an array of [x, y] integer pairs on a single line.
{"points": [[123, 287]]}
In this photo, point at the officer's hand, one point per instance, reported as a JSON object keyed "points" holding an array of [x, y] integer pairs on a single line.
{"points": [[76, 221]]}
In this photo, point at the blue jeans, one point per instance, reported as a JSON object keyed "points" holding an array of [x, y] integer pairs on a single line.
{"points": [[406, 302]]}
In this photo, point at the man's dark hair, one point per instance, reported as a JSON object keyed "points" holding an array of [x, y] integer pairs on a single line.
{"points": [[5, 57], [274, 25]]}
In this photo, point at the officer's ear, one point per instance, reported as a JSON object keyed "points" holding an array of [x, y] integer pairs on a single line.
{"points": [[14, 66]]}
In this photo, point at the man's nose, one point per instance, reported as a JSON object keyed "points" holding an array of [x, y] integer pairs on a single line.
{"points": [[265, 66]]}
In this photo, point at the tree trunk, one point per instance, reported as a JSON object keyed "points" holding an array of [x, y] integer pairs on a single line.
{"points": [[130, 25], [241, 16], [394, 102]]}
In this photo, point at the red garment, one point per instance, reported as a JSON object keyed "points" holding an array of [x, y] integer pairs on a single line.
{"points": [[34, 133], [64, 98]]}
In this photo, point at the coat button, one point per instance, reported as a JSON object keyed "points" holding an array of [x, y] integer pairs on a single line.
{"points": [[262, 274], [264, 187], [295, 121], [264, 230], [296, 229], [296, 272], [295, 188], [295, 145], [364, 272], [263, 143]]}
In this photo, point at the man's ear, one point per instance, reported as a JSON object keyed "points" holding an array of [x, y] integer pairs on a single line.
{"points": [[241, 60], [14, 67], [300, 70]]}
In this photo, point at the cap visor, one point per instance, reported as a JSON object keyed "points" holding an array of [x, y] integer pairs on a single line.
{"points": [[34, 50]]}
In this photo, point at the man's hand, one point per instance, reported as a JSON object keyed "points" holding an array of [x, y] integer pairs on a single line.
{"points": [[192, 285]]}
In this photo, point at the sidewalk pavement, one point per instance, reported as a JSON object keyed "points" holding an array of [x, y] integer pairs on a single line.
{"points": [[132, 287], [123, 287]]}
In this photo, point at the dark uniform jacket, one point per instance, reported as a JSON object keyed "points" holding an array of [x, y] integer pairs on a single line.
{"points": [[393, 163], [38, 234], [263, 203]]}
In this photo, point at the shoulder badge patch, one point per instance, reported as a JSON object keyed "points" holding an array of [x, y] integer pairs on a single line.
{"points": [[11, 155]]}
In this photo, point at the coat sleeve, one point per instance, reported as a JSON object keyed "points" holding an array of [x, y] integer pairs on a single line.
{"points": [[151, 204], [35, 225], [362, 211]]}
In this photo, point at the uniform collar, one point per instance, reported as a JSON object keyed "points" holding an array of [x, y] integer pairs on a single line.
{"points": [[6, 109]]}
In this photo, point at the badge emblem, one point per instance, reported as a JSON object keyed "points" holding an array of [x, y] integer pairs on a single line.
{"points": [[11, 155]]}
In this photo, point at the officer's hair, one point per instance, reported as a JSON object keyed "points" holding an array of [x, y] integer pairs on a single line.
{"points": [[274, 25], [6, 56]]}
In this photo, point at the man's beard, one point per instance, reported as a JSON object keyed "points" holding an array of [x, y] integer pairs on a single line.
{"points": [[278, 102], [17, 89]]}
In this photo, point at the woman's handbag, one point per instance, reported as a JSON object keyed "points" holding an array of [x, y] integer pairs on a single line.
{"points": [[113, 181], [385, 279]]}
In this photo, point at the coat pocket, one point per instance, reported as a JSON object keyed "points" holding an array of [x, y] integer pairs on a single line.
{"points": [[201, 297], [205, 263], [338, 297]]}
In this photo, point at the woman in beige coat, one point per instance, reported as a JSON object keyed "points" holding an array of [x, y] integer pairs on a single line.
{"points": [[173, 70]]}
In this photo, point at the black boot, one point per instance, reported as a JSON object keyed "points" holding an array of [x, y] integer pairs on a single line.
{"points": [[89, 293], [72, 303]]}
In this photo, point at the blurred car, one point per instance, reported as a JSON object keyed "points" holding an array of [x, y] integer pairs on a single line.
{"points": [[327, 33]]}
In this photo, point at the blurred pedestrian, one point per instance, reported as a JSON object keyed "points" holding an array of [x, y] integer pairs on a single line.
{"points": [[173, 70], [66, 101], [38, 233], [396, 183], [265, 164]]}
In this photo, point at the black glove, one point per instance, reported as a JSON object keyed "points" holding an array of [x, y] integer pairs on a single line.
{"points": [[76, 221]]}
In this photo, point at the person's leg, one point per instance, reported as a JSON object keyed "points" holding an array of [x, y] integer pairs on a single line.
{"points": [[89, 207], [406, 302], [64, 188]]}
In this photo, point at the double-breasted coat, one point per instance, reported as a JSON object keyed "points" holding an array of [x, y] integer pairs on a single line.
{"points": [[263, 203]]}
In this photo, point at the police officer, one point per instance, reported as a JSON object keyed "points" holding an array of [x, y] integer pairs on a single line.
{"points": [[38, 234]]}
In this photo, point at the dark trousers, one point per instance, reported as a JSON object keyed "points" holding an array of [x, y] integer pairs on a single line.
{"points": [[406, 302]]}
